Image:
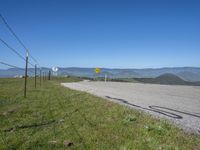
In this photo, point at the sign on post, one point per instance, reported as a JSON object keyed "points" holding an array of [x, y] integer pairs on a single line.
{"points": [[97, 70]]}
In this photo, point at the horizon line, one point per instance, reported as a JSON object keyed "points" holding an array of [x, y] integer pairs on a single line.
{"points": [[112, 68]]}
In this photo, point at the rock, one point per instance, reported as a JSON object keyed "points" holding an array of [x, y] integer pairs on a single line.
{"points": [[68, 143]]}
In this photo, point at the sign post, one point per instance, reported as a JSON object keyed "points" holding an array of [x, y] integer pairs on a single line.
{"points": [[105, 77], [97, 71]]}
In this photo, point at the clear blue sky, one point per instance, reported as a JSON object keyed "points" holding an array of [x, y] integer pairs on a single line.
{"points": [[104, 33]]}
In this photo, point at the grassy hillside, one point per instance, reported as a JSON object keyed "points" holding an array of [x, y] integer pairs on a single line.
{"points": [[54, 117]]}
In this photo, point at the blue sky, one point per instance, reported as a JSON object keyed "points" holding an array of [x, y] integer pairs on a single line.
{"points": [[102, 33]]}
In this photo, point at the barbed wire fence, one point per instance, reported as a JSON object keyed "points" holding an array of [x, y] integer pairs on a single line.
{"points": [[32, 67]]}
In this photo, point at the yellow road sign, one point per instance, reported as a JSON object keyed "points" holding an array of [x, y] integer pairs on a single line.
{"points": [[97, 70]]}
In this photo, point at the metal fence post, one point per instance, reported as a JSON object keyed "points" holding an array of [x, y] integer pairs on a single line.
{"points": [[40, 76], [35, 76], [25, 83], [49, 75]]}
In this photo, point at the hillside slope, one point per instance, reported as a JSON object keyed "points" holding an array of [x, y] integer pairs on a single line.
{"points": [[167, 79]]}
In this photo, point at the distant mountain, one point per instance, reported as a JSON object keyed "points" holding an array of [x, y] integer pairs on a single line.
{"points": [[167, 79], [189, 76], [186, 73]]}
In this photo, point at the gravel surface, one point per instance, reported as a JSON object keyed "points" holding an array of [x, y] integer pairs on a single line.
{"points": [[179, 104]]}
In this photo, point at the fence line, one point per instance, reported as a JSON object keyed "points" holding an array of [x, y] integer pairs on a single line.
{"points": [[27, 71]]}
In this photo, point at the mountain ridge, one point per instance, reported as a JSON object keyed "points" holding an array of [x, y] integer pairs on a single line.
{"points": [[167, 79], [186, 73]]}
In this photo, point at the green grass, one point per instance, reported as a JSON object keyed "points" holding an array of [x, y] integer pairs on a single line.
{"points": [[52, 114]]}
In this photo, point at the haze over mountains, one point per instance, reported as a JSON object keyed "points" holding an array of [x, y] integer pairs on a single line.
{"points": [[191, 74]]}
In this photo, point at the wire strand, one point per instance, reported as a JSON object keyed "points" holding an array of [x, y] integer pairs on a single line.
{"points": [[9, 65], [10, 29], [18, 39], [15, 51], [13, 66]]}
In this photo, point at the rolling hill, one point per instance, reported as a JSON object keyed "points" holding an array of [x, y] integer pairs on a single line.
{"points": [[167, 79]]}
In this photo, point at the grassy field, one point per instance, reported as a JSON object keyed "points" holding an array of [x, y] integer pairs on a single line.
{"points": [[54, 117]]}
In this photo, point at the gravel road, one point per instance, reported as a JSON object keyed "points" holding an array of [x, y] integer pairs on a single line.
{"points": [[178, 104]]}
